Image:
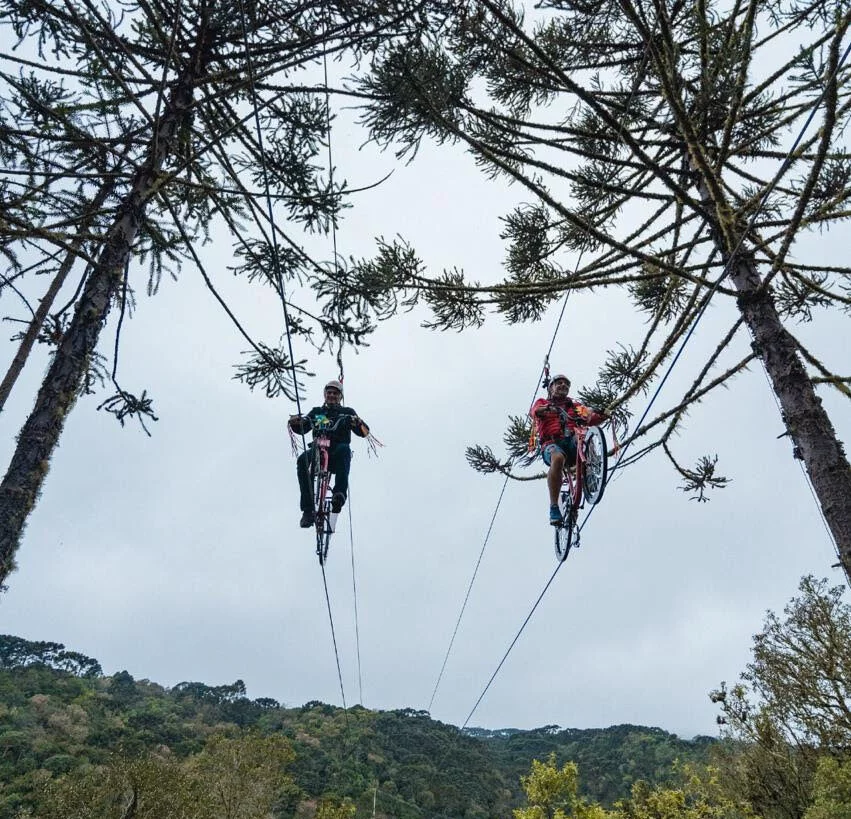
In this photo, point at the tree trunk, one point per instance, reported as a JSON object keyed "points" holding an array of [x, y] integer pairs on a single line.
{"points": [[40, 434], [31, 335], [813, 436], [812, 433]]}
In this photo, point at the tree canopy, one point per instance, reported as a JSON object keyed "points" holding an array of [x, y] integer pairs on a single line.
{"points": [[652, 142], [129, 136]]}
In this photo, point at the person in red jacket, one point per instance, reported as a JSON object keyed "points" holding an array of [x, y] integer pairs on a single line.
{"points": [[556, 418]]}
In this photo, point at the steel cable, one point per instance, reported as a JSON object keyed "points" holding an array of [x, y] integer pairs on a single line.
{"points": [[282, 294], [783, 168]]}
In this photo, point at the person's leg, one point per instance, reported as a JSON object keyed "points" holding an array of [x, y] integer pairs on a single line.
{"points": [[340, 463], [305, 487], [569, 446], [555, 475], [554, 459]]}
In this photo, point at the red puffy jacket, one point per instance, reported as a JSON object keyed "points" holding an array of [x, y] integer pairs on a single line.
{"points": [[551, 425]]}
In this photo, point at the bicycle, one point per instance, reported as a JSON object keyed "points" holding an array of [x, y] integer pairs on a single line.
{"points": [[320, 475], [583, 482]]}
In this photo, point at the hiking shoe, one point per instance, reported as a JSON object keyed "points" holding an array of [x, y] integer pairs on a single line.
{"points": [[555, 516], [307, 519], [337, 501]]}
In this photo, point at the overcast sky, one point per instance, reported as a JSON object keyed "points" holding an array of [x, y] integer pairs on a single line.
{"points": [[179, 557]]}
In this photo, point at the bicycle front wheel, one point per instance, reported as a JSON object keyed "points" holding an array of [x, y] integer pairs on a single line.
{"points": [[323, 539], [595, 466], [321, 504], [565, 530]]}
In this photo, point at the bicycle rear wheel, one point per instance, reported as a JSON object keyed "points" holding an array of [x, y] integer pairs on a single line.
{"points": [[595, 466], [565, 530]]}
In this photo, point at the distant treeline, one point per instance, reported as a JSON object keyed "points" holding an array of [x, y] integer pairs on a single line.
{"points": [[60, 717]]}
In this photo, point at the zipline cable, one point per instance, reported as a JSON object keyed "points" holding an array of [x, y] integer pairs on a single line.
{"points": [[279, 277], [355, 597], [783, 168], [495, 512], [334, 640], [340, 359], [282, 293], [331, 169], [544, 369]]}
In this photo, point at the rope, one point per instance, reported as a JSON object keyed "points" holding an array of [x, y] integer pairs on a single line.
{"points": [[830, 536], [331, 179], [342, 378], [545, 373], [334, 640], [282, 295], [355, 596], [270, 215], [511, 646], [784, 167]]}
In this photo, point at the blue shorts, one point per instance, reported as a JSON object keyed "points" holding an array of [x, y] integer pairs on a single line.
{"points": [[567, 447]]}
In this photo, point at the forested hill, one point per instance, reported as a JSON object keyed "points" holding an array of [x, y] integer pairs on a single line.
{"points": [[61, 717]]}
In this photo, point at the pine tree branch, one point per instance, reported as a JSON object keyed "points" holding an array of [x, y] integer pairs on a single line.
{"points": [[827, 377]]}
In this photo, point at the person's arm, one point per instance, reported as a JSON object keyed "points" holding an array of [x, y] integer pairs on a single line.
{"points": [[301, 423], [542, 407], [359, 426], [589, 416]]}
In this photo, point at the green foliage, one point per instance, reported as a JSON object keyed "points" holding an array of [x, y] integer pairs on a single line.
{"points": [[789, 711], [699, 480], [801, 672], [242, 774], [831, 790], [97, 743], [698, 795], [148, 788], [611, 759], [334, 809], [15, 652], [551, 791], [645, 143]]}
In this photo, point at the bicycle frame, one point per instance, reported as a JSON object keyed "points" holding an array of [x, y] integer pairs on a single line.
{"points": [[576, 487], [572, 476], [324, 517]]}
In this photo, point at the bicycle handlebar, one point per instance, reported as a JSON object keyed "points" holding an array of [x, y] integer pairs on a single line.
{"points": [[576, 419], [326, 425]]}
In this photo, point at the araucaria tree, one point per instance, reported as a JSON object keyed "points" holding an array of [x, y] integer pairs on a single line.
{"points": [[650, 138], [130, 132]]}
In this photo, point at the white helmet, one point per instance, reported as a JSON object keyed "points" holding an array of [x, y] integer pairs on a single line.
{"points": [[558, 377], [335, 385]]}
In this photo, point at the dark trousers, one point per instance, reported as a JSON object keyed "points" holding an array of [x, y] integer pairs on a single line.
{"points": [[339, 461]]}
